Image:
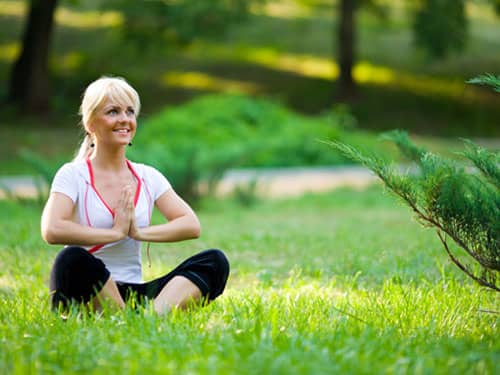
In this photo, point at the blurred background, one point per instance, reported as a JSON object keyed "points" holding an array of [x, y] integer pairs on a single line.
{"points": [[231, 84]]}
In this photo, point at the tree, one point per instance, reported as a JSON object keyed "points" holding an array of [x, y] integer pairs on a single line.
{"points": [[346, 89], [440, 27], [29, 85], [346, 39], [147, 23], [177, 23], [462, 206]]}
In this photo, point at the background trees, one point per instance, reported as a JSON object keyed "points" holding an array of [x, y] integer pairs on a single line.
{"points": [[29, 84], [149, 23], [151, 41], [439, 28]]}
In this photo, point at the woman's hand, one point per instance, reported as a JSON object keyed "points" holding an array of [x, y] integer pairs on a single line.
{"points": [[123, 216], [182, 223], [133, 232]]}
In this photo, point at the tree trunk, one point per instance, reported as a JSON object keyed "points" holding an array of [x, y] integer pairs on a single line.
{"points": [[346, 89], [29, 85]]}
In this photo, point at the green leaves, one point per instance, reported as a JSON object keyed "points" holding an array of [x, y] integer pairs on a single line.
{"points": [[487, 79], [200, 140], [165, 23], [441, 27]]}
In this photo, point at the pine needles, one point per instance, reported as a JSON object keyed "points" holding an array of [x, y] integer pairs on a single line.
{"points": [[461, 202]]}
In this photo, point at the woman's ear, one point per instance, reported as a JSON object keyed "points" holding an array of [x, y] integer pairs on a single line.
{"points": [[89, 128]]}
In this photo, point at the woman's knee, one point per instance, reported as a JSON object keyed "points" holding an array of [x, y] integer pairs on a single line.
{"points": [[220, 260], [77, 275], [71, 256]]}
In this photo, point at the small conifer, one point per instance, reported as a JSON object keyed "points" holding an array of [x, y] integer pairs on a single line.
{"points": [[460, 199]]}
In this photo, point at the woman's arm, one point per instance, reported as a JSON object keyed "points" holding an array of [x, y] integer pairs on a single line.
{"points": [[183, 224], [58, 226]]}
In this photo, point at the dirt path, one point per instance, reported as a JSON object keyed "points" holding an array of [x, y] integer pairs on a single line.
{"points": [[274, 183], [288, 182]]}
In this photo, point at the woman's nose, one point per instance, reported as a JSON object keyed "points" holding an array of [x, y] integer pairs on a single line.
{"points": [[123, 116]]}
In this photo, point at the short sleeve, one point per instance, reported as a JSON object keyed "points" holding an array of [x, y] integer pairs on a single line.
{"points": [[157, 182], [65, 181]]}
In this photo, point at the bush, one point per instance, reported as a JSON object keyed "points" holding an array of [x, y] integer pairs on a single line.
{"points": [[201, 139]]}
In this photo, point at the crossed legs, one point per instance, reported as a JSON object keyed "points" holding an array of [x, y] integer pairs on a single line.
{"points": [[81, 277], [179, 293]]}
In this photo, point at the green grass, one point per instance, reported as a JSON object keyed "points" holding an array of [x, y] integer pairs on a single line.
{"points": [[344, 282]]}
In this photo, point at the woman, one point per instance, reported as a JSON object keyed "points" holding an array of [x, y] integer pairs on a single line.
{"points": [[100, 207]]}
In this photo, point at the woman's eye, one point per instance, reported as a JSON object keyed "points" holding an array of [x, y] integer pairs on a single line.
{"points": [[130, 111], [112, 112]]}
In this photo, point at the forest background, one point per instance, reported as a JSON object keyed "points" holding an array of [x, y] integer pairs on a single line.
{"points": [[360, 67]]}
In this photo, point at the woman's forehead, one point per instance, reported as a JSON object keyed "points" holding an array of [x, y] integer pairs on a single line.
{"points": [[110, 101]]}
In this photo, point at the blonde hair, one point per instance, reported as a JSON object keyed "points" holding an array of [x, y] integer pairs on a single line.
{"points": [[115, 89]]}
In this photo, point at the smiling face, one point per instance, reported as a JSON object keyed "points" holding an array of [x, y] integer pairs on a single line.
{"points": [[109, 109], [113, 123]]}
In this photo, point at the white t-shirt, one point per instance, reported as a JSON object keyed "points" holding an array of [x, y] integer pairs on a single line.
{"points": [[122, 258]]}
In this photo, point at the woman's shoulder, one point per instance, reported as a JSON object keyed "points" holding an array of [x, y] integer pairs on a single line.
{"points": [[73, 168], [153, 178], [143, 170]]}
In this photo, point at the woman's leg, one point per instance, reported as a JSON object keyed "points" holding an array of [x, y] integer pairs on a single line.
{"points": [[202, 276], [78, 276], [108, 295], [179, 292]]}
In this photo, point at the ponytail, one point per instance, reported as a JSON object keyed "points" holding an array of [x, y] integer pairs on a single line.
{"points": [[85, 150]]}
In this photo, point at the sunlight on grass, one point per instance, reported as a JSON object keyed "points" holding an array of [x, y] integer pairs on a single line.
{"points": [[67, 17], [9, 51], [88, 20], [203, 81], [12, 8], [6, 282], [306, 65], [481, 12], [282, 9], [364, 72], [71, 61]]}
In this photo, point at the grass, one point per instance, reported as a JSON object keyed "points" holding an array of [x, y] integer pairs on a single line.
{"points": [[342, 282]]}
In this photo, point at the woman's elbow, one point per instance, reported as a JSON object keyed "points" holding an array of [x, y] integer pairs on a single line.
{"points": [[49, 236], [196, 229]]}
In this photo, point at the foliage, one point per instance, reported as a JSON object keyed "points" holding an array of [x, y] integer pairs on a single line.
{"points": [[43, 170], [441, 26], [459, 204], [487, 79], [496, 6], [160, 22], [200, 140]]}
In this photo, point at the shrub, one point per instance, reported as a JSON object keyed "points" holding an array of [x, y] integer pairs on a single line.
{"points": [[201, 139]]}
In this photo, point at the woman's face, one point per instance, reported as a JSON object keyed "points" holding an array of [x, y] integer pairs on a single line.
{"points": [[113, 124]]}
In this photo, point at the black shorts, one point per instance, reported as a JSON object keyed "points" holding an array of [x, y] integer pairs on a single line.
{"points": [[77, 276]]}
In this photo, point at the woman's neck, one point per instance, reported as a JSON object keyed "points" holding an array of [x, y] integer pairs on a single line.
{"points": [[106, 159]]}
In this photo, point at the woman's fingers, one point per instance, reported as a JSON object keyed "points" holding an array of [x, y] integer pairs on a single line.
{"points": [[123, 212]]}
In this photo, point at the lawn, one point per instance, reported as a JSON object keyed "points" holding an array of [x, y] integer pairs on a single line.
{"points": [[344, 282]]}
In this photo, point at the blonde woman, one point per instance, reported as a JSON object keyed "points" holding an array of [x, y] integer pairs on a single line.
{"points": [[100, 207]]}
